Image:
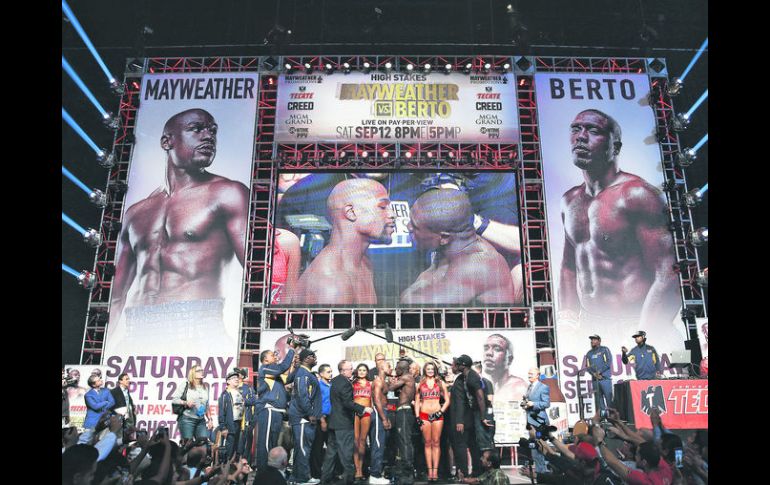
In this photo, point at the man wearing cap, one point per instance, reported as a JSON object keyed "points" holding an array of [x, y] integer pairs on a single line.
{"points": [[272, 400], [483, 417], [598, 362], [643, 357], [304, 413], [231, 406]]}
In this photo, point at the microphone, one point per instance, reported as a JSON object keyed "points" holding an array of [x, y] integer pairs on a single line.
{"points": [[388, 334], [349, 333]]}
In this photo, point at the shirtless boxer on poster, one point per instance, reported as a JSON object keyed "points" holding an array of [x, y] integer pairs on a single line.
{"points": [[176, 242], [618, 252], [466, 268], [341, 274]]}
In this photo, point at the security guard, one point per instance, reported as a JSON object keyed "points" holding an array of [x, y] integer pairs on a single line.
{"points": [[598, 361], [271, 401], [644, 358]]}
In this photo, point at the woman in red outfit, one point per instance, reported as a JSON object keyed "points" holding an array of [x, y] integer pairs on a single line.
{"points": [[362, 394], [428, 409]]}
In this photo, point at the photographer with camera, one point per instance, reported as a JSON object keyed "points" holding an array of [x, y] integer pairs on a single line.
{"points": [[271, 398], [652, 468], [598, 363], [536, 400], [98, 402]]}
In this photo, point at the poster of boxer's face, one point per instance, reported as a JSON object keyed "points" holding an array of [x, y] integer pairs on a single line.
{"points": [[397, 239], [611, 251], [176, 293], [505, 356]]}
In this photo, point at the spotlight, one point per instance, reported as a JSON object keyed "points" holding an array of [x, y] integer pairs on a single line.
{"points": [[427, 68], [487, 67], [410, 67], [98, 198], [388, 66], [346, 67], [451, 155], [106, 160], [430, 156], [509, 8], [680, 122], [506, 67], [699, 237], [308, 67], [87, 279], [675, 87], [408, 155], [329, 68], [467, 68], [341, 155], [116, 87], [385, 154], [92, 238], [367, 67], [693, 198], [364, 154], [703, 277], [110, 121], [686, 157], [287, 66], [448, 68]]}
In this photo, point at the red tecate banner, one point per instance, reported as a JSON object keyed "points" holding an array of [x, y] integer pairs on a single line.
{"points": [[683, 404]]}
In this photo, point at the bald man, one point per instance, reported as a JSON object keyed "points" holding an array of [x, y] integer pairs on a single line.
{"points": [[175, 243], [466, 268], [616, 273], [341, 274]]}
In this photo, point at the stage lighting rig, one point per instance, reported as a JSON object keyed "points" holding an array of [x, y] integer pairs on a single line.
{"points": [[346, 67], [328, 68], [308, 67], [468, 67], [287, 66], [686, 157], [675, 87], [447, 68], [680, 122], [87, 280], [693, 197], [98, 198], [703, 278], [366, 67], [111, 121], [699, 237], [117, 87], [106, 160], [487, 67], [410, 67], [505, 67], [388, 66], [92, 237]]}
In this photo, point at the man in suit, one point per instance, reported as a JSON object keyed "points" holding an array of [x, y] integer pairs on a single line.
{"points": [[275, 471], [98, 401], [341, 424], [123, 400], [304, 413], [536, 400]]}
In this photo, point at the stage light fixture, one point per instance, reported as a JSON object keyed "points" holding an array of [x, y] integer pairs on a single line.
{"points": [[680, 122], [487, 67], [87, 280], [408, 155], [430, 156], [98, 198], [308, 67], [367, 67], [686, 157], [509, 8], [451, 155], [287, 66], [346, 67], [448, 68], [703, 277], [92, 238], [505, 67], [693, 198], [342, 154], [364, 154], [410, 67], [388, 66], [427, 67], [110, 121], [675, 87], [468, 67], [699, 236], [385, 154], [117, 88], [329, 68]]}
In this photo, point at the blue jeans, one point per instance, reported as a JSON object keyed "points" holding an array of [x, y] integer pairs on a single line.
{"points": [[231, 444], [304, 433], [86, 436], [378, 436], [192, 427]]}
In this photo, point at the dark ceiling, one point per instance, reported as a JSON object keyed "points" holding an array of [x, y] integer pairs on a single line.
{"points": [[597, 28]]}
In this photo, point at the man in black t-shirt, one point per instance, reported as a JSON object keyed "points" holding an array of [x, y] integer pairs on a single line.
{"points": [[483, 416]]}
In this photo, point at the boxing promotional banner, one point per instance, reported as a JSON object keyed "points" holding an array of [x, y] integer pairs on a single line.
{"points": [[176, 294], [610, 247], [683, 404], [506, 356], [397, 107], [344, 240]]}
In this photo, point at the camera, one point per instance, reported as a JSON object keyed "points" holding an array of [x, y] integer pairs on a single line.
{"points": [[604, 413], [523, 404], [162, 432], [542, 431], [299, 339], [68, 380]]}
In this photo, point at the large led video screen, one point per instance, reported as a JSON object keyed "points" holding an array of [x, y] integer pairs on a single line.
{"points": [[396, 239]]}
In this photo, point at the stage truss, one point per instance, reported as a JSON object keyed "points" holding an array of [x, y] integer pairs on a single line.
{"points": [[270, 157]]}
